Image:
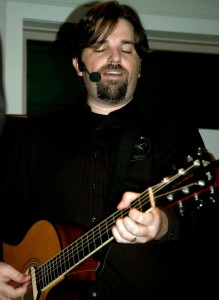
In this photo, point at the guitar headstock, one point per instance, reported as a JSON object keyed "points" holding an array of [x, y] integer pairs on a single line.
{"points": [[199, 175]]}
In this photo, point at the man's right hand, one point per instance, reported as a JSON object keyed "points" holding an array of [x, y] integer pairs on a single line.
{"points": [[8, 273]]}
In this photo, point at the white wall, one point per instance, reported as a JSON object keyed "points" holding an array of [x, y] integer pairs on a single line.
{"points": [[211, 139]]}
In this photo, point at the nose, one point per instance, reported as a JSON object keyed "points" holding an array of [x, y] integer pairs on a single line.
{"points": [[114, 56]]}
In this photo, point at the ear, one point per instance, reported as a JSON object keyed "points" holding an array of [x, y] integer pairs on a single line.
{"points": [[76, 66]]}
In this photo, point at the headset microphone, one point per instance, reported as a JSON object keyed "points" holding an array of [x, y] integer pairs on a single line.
{"points": [[94, 76]]}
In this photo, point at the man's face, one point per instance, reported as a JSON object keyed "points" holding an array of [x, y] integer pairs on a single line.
{"points": [[118, 63]]}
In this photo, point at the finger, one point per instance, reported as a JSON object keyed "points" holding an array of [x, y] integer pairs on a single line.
{"points": [[124, 230], [2, 297], [142, 218], [120, 239], [127, 198], [8, 272], [9, 292]]}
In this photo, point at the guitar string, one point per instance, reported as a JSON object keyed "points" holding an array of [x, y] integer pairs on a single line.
{"points": [[92, 235]]}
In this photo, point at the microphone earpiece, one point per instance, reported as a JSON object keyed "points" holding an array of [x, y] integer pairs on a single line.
{"points": [[94, 76], [81, 66]]}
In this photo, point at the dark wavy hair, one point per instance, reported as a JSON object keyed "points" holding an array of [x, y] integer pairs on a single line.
{"points": [[101, 19]]}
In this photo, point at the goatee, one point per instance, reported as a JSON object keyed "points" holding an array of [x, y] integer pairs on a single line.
{"points": [[112, 91]]}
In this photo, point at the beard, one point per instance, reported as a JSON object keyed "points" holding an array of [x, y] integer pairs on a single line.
{"points": [[112, 91]]}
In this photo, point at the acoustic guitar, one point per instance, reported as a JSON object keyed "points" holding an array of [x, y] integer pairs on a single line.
{"points": [[50, 252]]}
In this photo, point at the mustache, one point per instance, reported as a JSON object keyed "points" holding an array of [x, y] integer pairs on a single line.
{"points": [[112, 67]]}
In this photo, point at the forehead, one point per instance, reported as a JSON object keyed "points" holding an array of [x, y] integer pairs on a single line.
{"points": [[123, 31]]}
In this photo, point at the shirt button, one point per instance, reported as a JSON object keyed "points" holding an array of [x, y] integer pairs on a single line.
{"points": [[94, 295], [93, 219]]}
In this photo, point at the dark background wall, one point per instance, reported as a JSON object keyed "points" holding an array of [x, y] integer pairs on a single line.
{"points": [[186, 81]]}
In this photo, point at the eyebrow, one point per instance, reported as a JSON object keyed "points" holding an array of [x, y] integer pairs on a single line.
{"points": [[124, 42], [127, 42]]}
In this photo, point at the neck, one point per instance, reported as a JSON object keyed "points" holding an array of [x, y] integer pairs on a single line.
{"points": [[104, 109]]}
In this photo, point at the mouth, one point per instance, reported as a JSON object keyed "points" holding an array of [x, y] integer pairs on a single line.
{"points": [[113, 74]]}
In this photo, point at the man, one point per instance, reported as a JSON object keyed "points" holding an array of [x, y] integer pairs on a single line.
{"points": [[86, 163]]}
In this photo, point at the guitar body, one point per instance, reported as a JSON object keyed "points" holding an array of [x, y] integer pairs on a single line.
{"points": [[42, 242]]}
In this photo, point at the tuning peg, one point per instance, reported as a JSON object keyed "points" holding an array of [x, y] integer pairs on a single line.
{"points": [[213, 196], [198, 201], [181, 208], [201, 151]]}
